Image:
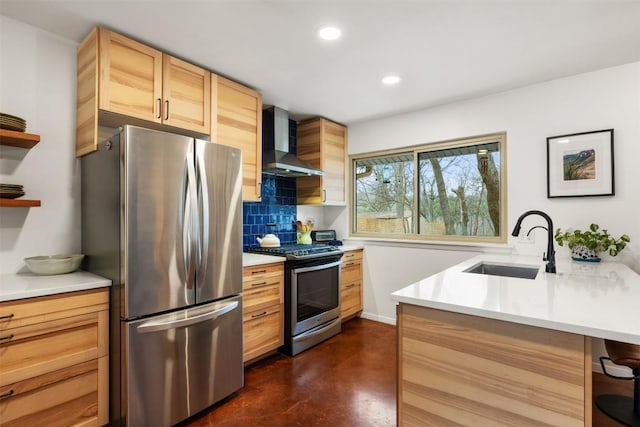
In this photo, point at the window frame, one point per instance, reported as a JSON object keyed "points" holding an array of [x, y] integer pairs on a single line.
{"points": [[415, 150]]}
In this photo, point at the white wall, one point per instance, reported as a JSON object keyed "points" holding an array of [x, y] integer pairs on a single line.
{"points": [[38, 83], [604, 99]]}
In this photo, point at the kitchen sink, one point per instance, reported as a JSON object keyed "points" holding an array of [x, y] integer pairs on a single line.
{"points": [[504, 270]]}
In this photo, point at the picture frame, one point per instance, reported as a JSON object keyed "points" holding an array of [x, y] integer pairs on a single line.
{"points": [[580, 164]]}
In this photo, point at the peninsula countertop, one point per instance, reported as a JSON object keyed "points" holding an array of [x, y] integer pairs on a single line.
{"points": [[595, 299]]}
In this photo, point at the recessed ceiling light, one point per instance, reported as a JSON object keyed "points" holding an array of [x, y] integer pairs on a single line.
{"points": [[329, 33], [391, 80]]}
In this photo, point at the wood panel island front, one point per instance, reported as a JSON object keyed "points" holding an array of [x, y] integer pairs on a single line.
{"points": [[477, 349]]}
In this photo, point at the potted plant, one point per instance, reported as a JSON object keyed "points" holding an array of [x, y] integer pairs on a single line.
{"points": [[587, 245]]}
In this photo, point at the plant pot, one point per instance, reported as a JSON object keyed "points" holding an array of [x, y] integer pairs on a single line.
{"points": [[582, 253]]}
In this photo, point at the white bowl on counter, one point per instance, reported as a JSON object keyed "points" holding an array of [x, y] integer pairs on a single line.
{"points": [[53, 264]]}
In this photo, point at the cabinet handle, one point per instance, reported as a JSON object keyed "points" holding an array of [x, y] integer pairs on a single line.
{"points": [[349, 264], [166, 106], [324, 195], [349, 256], [350, 285], [255, 285], [258, 271], [6, 316], [7, 394], [6, 338], [159, 107], [253, 316]]}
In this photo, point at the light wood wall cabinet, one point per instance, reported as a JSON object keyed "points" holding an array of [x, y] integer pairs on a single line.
{"points": [[263, 310], [323, 144], [119, 75], [351, 284], [237, 122], [54, 360], [457, 369]]}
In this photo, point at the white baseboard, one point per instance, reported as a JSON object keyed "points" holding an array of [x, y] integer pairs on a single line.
{"points": [[378, 318]]}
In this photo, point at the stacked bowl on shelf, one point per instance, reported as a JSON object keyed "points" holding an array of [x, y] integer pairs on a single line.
{"points": [[9, 122], [11, 191]]}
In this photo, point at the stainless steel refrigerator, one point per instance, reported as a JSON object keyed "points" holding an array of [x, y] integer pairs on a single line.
{"points": [[161, 218]]}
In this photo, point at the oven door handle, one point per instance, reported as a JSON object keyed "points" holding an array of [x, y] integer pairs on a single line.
{"points": [[315, 331], [316, 267]]}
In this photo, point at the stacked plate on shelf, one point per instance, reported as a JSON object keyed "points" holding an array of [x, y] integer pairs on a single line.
{"points": [[11, 191], [9, 122]]}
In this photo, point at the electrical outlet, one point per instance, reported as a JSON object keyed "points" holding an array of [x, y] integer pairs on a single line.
{"points": [[530, 239]]}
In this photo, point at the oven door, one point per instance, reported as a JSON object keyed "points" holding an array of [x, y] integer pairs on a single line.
{"points": [[315, 294]]}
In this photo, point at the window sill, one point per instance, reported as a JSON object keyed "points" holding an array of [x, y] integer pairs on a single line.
{"points": [[500, 248]]}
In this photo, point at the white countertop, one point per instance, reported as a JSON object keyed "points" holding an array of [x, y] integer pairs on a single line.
{"points": [[595, 299], [28, 285], [250, 259]]}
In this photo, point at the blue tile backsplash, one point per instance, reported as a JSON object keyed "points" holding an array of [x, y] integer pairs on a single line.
{"points": [[278, 206]]}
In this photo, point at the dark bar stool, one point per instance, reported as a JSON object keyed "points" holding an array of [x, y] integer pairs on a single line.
{"points": [[622, 408]]}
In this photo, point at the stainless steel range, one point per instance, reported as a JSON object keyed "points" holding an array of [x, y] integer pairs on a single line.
{"points": [[312, 294]]}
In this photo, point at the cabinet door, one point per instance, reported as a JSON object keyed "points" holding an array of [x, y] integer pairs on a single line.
{"points": [[334, 142], [262, 331], [130, 77], [186, 100], [237, 122], [323, 144], [70, 396]]}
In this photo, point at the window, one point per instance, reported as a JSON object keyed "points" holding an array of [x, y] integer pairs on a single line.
{"points": [[451, 190]]}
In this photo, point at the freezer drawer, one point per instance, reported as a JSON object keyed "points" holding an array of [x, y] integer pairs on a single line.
{"points": [[182, 362]]}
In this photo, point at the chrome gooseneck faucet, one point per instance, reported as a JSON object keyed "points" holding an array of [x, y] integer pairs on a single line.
{"points": [[550, 256]]}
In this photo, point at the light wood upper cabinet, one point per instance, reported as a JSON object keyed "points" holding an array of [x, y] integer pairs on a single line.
{"points": [[130, 77], [323, 144], [237, 122], [186, 95], [120, 75]]}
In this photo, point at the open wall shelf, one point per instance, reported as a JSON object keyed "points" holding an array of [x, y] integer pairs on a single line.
{"points": [[18, 139], [23, 140], [19, 203]]}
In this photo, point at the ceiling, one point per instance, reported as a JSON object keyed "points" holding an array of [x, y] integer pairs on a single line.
{"points": [[444, 50]]}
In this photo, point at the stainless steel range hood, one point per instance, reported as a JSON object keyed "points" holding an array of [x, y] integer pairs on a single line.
{"points": [[276, 158]]}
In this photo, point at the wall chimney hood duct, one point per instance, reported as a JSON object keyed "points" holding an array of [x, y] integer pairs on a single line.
{"points": [[276, 158]]}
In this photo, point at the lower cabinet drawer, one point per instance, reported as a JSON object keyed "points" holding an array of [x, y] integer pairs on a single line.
{"points": [[263, 331], [66, 397], [32, 350], [262, 297], [351, 299]]}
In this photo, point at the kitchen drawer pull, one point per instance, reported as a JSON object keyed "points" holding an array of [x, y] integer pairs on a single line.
{"points": [[6, 316], [159, 107], [349, 264], [258, 271], [7, 394], [350, 255], [6, 338], [255, 285], [254, 316], [350, 285]]}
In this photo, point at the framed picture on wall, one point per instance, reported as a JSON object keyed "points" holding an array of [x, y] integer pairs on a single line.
{"points": [[580, 164]]}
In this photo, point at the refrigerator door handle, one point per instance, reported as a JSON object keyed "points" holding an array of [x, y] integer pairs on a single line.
{"points": [[202, 213], [169, 322], [190, 227]]}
